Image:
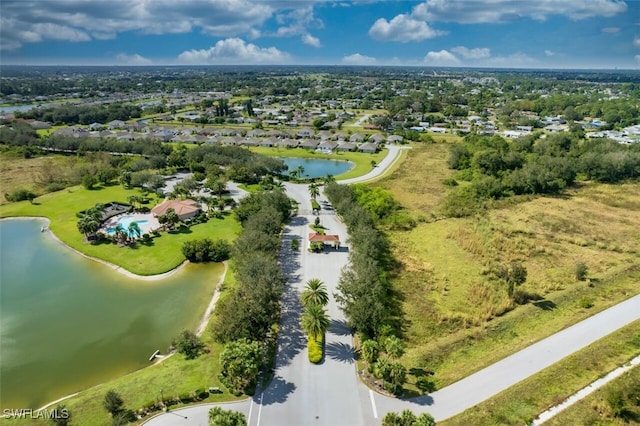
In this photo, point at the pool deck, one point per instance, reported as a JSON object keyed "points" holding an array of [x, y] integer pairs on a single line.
{"points": [[151, 224]]}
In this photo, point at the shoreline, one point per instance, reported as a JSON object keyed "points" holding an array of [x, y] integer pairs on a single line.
{"points": [[113, 266], [202, 325]]}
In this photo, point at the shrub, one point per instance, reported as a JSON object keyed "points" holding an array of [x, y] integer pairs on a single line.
{"points": [[189, 344], [315, 349], [450, 182], [206, 250], [20, 195], [581, 271], [295, 243]]}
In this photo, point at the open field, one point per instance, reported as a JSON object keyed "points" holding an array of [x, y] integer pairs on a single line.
{"points": [[170, 378], [162, 255], [17, 173], [361, 160], [521, 403], [458, 317]]}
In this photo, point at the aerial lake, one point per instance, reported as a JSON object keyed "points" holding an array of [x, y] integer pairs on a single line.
{"points": [[314, 168], [67, 323]]}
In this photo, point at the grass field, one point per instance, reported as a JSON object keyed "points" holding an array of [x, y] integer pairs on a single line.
{"points": [[170, 378], [162, 255], [18, 173], [524, 401], [459, 318], [596, 408], [361, 160]]}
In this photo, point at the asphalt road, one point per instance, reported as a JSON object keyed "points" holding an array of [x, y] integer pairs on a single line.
{"points": [[330, 393]]}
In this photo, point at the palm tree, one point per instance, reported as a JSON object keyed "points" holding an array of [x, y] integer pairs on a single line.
{"points": [[382, 369], [314, 293], [88, 225], [133, 200], [329, 179], [393, 346], [315, 321], [369, 351], [172, 218], [134, 230], [314, 191], [299, 171], [121, 234]]}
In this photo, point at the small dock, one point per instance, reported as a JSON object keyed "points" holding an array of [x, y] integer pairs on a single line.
{"points": [[155, 354]]}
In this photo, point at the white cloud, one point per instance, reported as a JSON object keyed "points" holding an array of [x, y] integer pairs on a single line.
{"points": [[549, 52], [483, 11], [443, 57], [636, 42], [358, 59], [402, 28], [135, 59], [476, 53], [297, 22], [611, 30], [234, 51], [311, 40], [31, 21]]}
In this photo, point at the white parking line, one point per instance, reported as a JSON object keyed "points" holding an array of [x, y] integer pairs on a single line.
{"points": [[373, 404], [250, 410]]}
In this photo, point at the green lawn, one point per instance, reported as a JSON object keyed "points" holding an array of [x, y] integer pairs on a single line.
{"points": [[361, 160], [161, 256]]}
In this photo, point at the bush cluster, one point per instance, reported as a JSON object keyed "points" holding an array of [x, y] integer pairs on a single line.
{"points": [[315, 348], [206, 250]]}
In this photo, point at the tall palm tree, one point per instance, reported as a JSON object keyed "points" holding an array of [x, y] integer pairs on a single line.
{"points": [[315, 321], [299, 171], [314, 191], [314, 293], [134, 230], [121, 234]]}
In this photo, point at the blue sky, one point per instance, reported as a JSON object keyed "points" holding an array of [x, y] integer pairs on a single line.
{"points": [[462, 33]]}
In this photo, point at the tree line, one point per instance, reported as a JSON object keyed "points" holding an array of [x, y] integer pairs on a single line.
{"points": [[364, 291], [71, 114], [534, 164]]}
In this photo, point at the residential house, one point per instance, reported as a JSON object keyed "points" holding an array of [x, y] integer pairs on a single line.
{"points": [[116, 125], [346, 146], [376, 138], [356, 137], [287, 143], [395, 139], [369, 147], [327, 146], [308, 144]]}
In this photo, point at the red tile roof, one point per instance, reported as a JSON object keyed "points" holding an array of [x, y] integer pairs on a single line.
{"points": [[181, 207], [313, 237]]}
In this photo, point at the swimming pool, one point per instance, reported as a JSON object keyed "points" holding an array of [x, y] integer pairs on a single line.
{"points": [[125, 221]]}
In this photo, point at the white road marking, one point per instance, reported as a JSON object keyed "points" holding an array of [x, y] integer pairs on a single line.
{"points": [[250, 410], [260, 409], [373, 404]]}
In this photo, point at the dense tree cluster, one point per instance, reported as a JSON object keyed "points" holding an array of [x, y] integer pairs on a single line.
{"points": [[71, 114], [364, 290], [535, 164], [252, 307], [382, 207], [206, 250]]}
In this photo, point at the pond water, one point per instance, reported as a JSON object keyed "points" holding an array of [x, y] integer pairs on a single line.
{"points": [[6, 109], [67, 323], [314, 168]]}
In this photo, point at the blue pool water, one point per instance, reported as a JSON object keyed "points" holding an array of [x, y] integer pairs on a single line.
{"points": [[125, 221]]}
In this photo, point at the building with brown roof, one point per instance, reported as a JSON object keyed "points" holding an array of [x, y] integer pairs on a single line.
{"points": [[186, 209]]}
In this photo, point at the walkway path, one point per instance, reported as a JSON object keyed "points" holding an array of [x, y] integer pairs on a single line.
{"points": [[331, 393]]}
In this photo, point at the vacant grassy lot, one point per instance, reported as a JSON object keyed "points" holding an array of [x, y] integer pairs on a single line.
{"points": [[163, 254], [361, 160], [596, 408], [18, 173], [458, 316], [170, 378], [523, 402]]}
